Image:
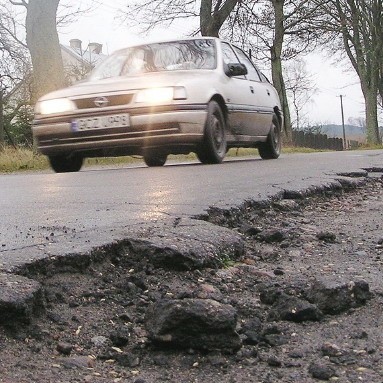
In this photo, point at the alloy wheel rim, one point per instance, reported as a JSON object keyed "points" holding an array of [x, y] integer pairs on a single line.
{"points": [[217, 134]]}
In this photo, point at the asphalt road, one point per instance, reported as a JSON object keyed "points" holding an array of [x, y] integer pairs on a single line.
{"points": [[48, 213]]}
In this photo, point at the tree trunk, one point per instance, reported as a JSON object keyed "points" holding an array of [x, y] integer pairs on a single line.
{"points": [[381, 76], [44, 47], [211, 20], [2, 130], [276, 66], [372, 127]]}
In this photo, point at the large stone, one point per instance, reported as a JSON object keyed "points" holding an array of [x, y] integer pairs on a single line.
{"points": [[20, 299], [120, 336], [294, 309], [252, 331], [187, 245], [335, 297], [269, 294], [193, 323], [322, 371], [272, 235], [77, 362]]}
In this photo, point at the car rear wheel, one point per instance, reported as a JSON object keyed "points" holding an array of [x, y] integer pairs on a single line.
{"points": [[271, 149], [214, 146], [66, 163], [155, 159]]}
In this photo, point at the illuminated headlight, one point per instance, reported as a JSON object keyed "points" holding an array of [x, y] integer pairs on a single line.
{"points": [[161, 95], [58, 105]]}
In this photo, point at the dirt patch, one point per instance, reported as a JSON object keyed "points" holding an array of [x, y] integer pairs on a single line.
{"points": [[96, 326]]}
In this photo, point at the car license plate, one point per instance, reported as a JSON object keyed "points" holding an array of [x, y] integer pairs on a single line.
{"points": [[100, 122]]}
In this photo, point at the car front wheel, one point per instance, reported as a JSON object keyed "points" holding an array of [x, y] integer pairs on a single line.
{"points": [[155, 159], [64, 163], [271, 149], [213, 148]]}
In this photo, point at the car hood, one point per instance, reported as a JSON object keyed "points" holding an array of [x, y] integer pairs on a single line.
{"points": [[120, 84]]}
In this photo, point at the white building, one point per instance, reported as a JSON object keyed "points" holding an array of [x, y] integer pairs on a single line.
{"points": [[79, 61]]}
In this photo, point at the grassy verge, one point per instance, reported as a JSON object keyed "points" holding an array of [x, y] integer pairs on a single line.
{"points": [[14, 160]]}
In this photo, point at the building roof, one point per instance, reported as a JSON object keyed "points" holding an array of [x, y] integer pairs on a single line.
{"points": [[92, 55]]}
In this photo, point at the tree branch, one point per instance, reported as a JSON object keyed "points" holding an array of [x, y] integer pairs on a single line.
{"points": [[21, 2]]}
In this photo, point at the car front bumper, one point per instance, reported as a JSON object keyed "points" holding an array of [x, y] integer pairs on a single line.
{"points": [[166, 130]]}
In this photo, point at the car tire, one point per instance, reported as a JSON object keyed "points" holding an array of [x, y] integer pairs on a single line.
{"points": [[271, 149], [214, 146], [64, 163], [155, 159]]}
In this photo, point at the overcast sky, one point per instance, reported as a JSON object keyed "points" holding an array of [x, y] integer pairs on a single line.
{"points": [[331, 79]]}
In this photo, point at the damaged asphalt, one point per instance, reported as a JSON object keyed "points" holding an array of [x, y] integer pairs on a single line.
{"points": [[181, 237]]}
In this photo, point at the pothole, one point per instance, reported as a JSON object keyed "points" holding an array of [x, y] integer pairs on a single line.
{"points": [[113, 314]]}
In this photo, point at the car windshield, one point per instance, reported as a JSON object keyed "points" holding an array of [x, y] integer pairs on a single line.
{"points": [[168, 56]]}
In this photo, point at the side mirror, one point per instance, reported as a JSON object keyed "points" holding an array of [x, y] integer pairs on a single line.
{"points": [[236, 69]]}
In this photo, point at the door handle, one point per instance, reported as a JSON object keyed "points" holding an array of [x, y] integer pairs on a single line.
{"points": [[251, 89], [268, 92]]}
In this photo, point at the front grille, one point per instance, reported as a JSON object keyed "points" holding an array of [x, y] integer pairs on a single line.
{"points": [[114, 100]]}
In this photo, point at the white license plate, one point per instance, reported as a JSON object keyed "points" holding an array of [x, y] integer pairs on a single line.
{"points": [[100, 122]]}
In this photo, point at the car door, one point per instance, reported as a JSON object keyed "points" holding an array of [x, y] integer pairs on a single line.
{"points": [[261, 98], [238, 97]]}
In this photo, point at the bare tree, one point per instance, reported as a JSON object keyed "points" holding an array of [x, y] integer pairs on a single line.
{"points": [[20, 86], [358, 121], [300, 88], [14, 68], [2, 129], [211, 13], [359, 25], [278, 30], [42, 19]]}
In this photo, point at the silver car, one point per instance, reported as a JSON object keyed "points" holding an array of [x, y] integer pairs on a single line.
{"points": [[199, 95]]}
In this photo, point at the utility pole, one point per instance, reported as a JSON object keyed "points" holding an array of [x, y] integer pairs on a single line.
{"points": [[344, 130]]}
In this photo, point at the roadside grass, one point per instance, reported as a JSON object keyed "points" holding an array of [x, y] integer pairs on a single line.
{"points": [[370, 147], [21, 159]]}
